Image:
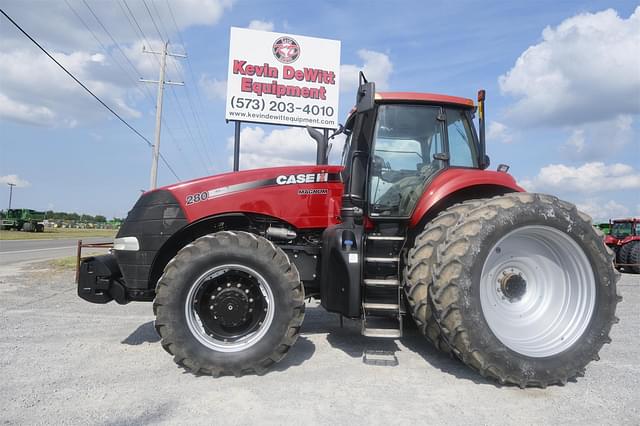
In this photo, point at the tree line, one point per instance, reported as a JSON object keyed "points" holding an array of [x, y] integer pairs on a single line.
{"points": [[51, 215]]}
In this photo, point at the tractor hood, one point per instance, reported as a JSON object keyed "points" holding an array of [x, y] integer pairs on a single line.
{"points": [[305, 196]]}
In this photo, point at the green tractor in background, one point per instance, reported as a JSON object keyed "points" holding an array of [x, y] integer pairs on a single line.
{"points": [[22, 220]]}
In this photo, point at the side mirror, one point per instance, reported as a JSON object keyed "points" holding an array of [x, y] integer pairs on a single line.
{"points": [[441, 156], [365, 98], [487, 162], [337, 132]]}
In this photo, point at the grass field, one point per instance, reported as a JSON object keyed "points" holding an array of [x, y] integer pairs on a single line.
{"points": [[50, 234]]}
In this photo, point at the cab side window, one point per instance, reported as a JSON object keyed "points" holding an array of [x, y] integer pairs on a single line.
{"points": [[462, 149]]}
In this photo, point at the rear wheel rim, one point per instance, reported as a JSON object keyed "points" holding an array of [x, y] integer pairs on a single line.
{"points": [[537, 291], [229, 308]]}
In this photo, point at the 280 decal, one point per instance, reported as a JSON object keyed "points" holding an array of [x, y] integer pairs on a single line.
{"points": [[197, 197]]}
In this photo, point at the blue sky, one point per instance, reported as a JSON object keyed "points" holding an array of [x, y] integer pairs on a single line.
{"points": [[562, 81]]}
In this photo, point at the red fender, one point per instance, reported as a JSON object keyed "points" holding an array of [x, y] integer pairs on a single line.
{"points": [[455, 179]]}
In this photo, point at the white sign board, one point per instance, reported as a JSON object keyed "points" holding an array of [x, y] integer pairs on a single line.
{"points": [[277, 78]]}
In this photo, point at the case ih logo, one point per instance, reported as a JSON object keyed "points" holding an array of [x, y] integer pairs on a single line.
{"points": [[302, 178], [286, 50]]}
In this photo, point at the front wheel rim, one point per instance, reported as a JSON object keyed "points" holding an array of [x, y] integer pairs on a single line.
{"points": [[537, 291], [229, 308]]}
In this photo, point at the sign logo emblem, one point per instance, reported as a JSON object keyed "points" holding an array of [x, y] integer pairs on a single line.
{"points": [[286, 50]]}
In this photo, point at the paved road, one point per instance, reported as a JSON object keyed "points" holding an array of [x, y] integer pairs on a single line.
{"points": [[19, 251]]}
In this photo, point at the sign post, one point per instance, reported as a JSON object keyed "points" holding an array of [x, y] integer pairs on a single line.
{"points": [[282, 79]]}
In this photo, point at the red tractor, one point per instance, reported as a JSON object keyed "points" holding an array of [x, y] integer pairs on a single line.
{"points": [[624, 240], [519, 286]]}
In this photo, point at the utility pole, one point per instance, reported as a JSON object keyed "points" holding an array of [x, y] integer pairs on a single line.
{"points": [[161, 82], [11, 185]]}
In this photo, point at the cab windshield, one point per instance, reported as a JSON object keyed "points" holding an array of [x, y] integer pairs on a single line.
{"points": [[622, 229], [407, 140]]}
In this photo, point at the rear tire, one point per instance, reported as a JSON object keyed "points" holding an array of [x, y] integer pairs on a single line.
{"points": [[634, 257], [624, 253], [229, 303], [525, 290], [418, 271]]}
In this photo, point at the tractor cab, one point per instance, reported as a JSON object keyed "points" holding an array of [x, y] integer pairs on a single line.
{"points": [[398, 147], [394, 150], [623, 228]]}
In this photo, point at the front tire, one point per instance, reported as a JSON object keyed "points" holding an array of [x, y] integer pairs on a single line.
{"points": [[229, 303], [525, 290]]}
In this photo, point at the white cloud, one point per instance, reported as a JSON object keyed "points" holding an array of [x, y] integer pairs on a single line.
{"points": [[587, 178], [576, 140], [34, 90], [214, 89], [593, 141], [377, 67], [499, 132], [25, 113], [287, 147], [256, 24], [52, 16], [602, 211], [586, 69], [33, 84], [14, 179]]}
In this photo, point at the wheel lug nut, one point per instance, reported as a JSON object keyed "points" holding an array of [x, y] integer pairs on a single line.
{"points": [[247, 291], [228, 284], [250, 310], [238, 285], [211, 308], [219, 288], [213, 297]]}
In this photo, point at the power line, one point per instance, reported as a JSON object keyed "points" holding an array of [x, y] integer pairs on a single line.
{"points": [[198, 125], [153, 5], [111, 37], [134, 82], [139, 27], [179, 105], [206, 127], [127, 73], [152, 20], [87, 89], [194, 112], [166, 126], [97, 18]]}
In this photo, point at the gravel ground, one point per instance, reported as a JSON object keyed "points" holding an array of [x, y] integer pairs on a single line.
{"points": [[63, 360]]}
